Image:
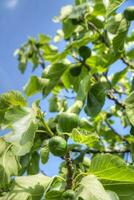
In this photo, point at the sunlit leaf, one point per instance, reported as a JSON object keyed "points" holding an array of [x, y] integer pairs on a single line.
{"points": [[91, 189], [129, 102], [24, 124], [84, 137], [110, 167]]}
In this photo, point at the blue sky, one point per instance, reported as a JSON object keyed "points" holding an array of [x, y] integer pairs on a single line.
{"points": [[18, 20]]}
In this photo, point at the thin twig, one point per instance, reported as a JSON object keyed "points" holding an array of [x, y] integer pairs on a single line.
{"points": [[111, 96]]}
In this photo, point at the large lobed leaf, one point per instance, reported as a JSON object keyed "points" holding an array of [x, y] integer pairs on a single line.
{"points": [[96, 99], [9, 164], [8, 100], [124, 190], [84, 87], [111, 167], [91, 189], [28, 187], [23, 122]]}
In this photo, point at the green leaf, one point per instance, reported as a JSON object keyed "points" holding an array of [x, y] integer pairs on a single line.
{"points": [[35, 85], [84, 87], [129, 103], [96, 99], [101, 60], [12, 98], [130, 54], [2, 146], [130, 37], [91, 189], [113, 5], [118, 76], [9, 164], [29, 187], [111, 167], [124, 190], [99, 8], [55, 190], [22, 62], [43, 39], [33, 167], [113, 23], [84, 137], [79, 2], [53, 194], [24, 124], [8, 100], [71, 81], [54, 71], [49, 51], [68, 28], [53, 104], [119, 39]]}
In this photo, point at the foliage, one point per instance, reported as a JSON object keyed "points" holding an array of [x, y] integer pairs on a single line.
{"points": [[87, 100]]}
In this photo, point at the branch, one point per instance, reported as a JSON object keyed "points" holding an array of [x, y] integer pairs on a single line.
{"points": [[112, 97], [69, 171], [94, 151], [67, 97]]}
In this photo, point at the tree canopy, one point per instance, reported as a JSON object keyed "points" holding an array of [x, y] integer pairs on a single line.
{"points": [[87, 99]]}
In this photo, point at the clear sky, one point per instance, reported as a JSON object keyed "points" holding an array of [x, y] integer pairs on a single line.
{"points": [[18, 20]]}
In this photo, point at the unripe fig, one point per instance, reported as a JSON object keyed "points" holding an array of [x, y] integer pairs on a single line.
{"points": [[58, 146]]}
